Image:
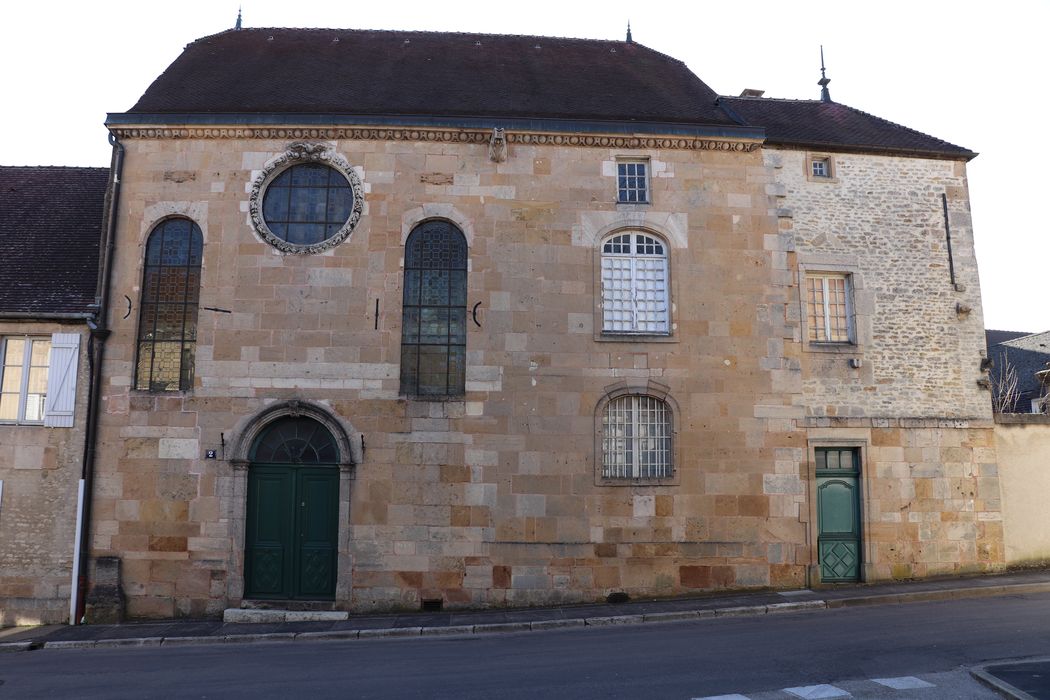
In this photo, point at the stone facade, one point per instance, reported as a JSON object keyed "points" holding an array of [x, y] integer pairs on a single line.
{"points": [[40, 470], [496, 499], [906, 391]]}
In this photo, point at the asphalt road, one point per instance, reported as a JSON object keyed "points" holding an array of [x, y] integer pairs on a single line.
{"points": [[754, 656]]}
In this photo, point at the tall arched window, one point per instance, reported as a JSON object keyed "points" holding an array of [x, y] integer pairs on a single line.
{"points": [[171, 284], [635, 298], [434, 316]]}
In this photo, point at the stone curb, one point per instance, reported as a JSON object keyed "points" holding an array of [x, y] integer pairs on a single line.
{"points": [[540, 625], [1000, 686]]}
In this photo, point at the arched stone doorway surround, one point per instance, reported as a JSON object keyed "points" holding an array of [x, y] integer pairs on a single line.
{"points": [[234, 493]]}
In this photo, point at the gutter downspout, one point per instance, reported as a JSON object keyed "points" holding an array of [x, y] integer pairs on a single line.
{"points": [[99, 331]]}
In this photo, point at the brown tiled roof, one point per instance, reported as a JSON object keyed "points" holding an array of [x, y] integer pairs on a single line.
{"points": [[50, 225], [830, 125], [390, 73]]}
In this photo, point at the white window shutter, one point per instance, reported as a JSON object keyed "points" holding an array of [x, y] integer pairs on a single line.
{"points": [[62, 380]]}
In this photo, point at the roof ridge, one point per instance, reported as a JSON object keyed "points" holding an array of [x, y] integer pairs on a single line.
{"points": [[1024, 337], [427, 32]]}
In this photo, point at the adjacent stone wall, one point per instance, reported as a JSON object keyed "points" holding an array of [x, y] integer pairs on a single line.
{"points": [[1024, 464], [40, 468], [881, 219]]}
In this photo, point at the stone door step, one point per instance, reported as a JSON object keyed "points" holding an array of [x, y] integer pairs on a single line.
{"points": [[251, 616]]}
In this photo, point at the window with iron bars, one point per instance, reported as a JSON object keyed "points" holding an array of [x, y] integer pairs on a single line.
{"points": [[636, 438]]}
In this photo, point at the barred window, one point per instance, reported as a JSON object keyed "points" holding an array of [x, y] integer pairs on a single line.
{"points": [[636, 438], [171, 285], [634, 285], [434, 312], [828, 307]]}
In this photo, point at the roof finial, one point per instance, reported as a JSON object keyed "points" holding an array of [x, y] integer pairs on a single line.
{"points": [[629, 39], [825, 96], [238, 25]]}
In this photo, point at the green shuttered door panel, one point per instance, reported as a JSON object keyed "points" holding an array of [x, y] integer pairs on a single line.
{"points": [[291, 532], [838, 514]]}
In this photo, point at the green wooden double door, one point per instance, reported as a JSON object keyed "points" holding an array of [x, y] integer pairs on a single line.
{"points": [[292, 530], [838, 514]]}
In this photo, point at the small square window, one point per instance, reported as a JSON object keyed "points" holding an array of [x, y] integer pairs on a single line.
{"points": [[821, 167], [632, 182], [829, 308]]}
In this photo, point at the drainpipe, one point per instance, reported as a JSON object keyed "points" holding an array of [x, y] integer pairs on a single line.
{"points": [[98, 332]]}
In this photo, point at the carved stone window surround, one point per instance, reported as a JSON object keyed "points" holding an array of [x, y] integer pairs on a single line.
{"points": [[298, 153]]}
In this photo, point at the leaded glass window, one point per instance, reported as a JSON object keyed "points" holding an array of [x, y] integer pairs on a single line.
{"points": [[636, 438], [308, 203], [171, 285], [634, 285], [295, 440], [434, 315]]}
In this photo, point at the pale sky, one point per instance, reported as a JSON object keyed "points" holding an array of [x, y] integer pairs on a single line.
{"points": [[972, 73]]}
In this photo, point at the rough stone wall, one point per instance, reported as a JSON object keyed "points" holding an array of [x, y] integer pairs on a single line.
{"points": [[40, 468], [881, 219], [491, 500], [931, 498]]}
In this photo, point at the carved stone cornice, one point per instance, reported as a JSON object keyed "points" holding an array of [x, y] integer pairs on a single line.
{"points": [[465, 136]]}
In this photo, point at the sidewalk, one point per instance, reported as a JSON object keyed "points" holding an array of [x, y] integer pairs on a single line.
{"points": [[183, 632]]}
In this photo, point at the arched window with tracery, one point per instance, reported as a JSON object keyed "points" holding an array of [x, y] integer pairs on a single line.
{"points": [[635, 296], [171, 282], [434, 311]]}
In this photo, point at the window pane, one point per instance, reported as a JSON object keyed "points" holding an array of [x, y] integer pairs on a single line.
{"points": [[12, 381], [433, 325], [8, 407], [14, 353], [410, 369], [457, 369], [35, 406], [435, 288], [458, 288], [433, 369], [167, 358], [37, 381], [41, 353], [457, 326], [410, 325]]}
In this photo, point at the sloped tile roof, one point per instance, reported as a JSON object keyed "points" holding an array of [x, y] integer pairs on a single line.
{"points": [[50, 226], [393, 73], [1027, 355], [833, 126]]}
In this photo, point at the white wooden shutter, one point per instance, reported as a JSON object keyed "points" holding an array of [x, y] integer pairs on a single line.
{"points": [[62, 380]]}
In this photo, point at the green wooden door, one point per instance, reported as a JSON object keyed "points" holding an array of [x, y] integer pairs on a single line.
{"points": [[291, 532], [838, 514], [292, 513]]}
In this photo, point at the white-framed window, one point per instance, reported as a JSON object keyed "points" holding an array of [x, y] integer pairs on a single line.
{"points": [[820, 167], [632, 181], [636, 438], [23, 385], [635, 296], [829, 308]]}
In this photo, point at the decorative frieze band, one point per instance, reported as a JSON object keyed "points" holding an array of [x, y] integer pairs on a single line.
{"points": [[467, 136]]}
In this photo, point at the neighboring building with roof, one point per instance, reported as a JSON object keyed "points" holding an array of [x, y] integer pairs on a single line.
{"points": [[424, 319], [1020, 363], [50, 225]]}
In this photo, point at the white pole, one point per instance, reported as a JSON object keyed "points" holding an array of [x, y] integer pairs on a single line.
{"points": [[75, 591]]}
